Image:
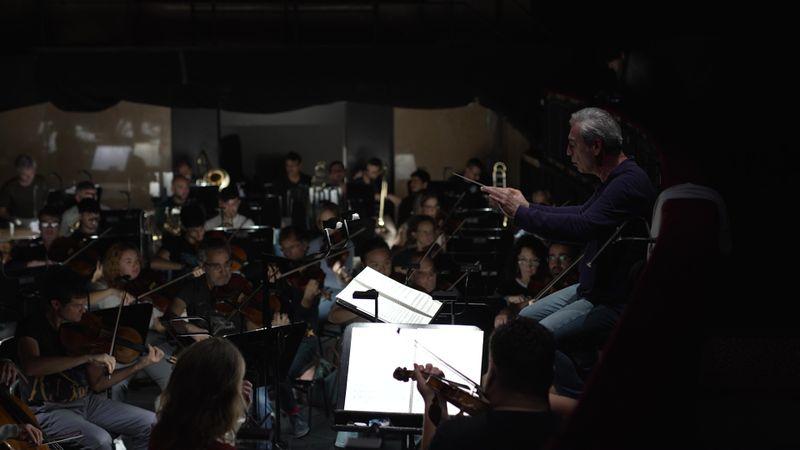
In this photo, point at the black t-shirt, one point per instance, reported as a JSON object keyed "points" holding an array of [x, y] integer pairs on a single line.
{"points": [[24, 202], [60, 387], [507, 430], [200, 301]]}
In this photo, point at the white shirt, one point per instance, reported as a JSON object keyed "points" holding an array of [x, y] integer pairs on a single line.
{"points": [[238, 221]]}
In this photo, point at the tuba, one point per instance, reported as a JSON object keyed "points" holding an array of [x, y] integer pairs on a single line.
{"points": [[499, 171], [212, 177]]}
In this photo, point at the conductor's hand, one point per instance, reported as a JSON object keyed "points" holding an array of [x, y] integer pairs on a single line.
{"points": [[508, 199], [427, 393]]}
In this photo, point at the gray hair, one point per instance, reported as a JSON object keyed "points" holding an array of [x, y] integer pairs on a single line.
{"points": [[595, 125]]}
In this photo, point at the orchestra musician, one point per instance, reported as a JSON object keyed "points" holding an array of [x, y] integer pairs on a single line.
{"points": [[84, 189], [180, 253], [35, 253], [88, 220], [229, 216], [24, 195], [65, 390], [179, 198]]}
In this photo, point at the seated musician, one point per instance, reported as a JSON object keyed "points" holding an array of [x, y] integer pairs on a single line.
{"points": [[88, 220], [206, 400], [180, 253], [293, 187], [205, 295], [228, 216], [179, 198], [19, 431], [426, 204], [375, 254], [123, 277], [71, 216], [559, 258], [35, 253], [373, 176], [337, 175], [516, 383], [65, 392], [418, 183], [183, 168], [474, 171], [337, 269], [525, 276], [421, 235], [425, 277]]}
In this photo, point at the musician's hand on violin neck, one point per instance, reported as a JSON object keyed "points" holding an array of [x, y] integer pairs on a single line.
{"points": [[30, 434], [198, 272], [279, 319], [427, 393], [247, 393], [103, 359], [98, 272], [508, 199], [155, 355]]}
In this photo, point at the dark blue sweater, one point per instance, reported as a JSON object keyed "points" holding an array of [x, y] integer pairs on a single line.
{"points": [[627, 193]]}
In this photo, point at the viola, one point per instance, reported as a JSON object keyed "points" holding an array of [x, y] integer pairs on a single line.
{"points": [[238, 296], [91, 336], [452, 392], [77, 254], [15, 411]]}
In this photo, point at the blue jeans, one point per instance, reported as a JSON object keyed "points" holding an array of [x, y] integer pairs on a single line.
{"points": [[561, 312]]}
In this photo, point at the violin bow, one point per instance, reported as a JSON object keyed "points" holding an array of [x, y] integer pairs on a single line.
{"points": [[164, 285], [85, 247], [475, 385]]}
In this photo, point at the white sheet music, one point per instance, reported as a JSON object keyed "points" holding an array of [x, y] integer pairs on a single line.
{"points": [[377, 349], [397, 303]]}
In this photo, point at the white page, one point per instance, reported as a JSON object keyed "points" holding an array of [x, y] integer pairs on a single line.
{"points": [[397, 303], [377, 350]]}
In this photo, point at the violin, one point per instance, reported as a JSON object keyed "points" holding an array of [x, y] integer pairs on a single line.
{"points": [[239, 297], [15, 411], [452, 392], [143, 287], [90, 336]]}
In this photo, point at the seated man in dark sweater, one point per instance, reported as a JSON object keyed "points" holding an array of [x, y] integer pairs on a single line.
{"points": [[516, 384], [625, 194]]}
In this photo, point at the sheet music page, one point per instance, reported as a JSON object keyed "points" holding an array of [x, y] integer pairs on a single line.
{"points": [[397, 303], [378, 349]]}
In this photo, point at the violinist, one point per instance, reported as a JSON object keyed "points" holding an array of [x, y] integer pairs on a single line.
{"points": [[421, 235], [337, 269], [525, 277], [375, 254], [200, 296], [181, 253], [425, 277], [520, 371], [35, 253], [229, 216], [417, 184], [120, 279], [426, 204], [65, 391]]}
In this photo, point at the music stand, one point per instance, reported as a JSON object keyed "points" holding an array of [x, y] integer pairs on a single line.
{"points": [[136, 316], [371, 351], [271, 351]]}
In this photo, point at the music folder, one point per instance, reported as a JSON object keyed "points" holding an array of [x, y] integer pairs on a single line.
{"points": [[397, 303]]}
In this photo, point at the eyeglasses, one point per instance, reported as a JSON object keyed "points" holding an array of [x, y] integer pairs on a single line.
{"points": [[49, 224], [217, 267], [560, 258], [529, 262]]}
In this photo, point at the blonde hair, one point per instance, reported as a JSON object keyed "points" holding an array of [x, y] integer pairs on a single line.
{"points": [[202, 403], [111, 271]]}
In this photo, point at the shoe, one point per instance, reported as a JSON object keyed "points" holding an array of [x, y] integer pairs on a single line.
{"points": [[299, 426]]}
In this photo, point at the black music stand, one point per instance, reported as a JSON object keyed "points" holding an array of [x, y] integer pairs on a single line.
{"points": [[271, 351], [136, 316]]}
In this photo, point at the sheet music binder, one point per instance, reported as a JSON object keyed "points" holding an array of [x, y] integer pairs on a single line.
{"points": [[397, 303]]}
